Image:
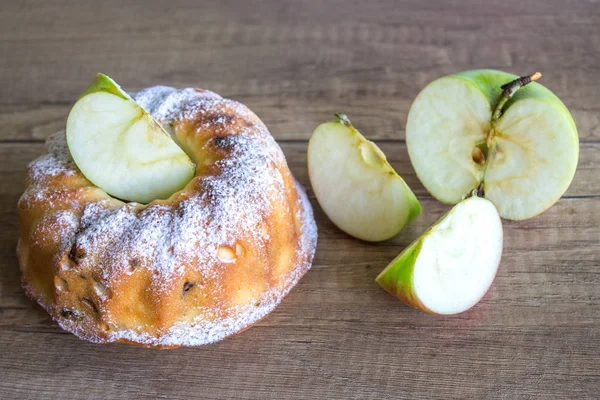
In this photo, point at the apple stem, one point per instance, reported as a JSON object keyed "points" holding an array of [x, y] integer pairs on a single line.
{"points": [[343, 118], [475, 192], [479, 190], [509, 89]]}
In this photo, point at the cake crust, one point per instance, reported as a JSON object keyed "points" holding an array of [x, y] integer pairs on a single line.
{"points": [[204, 264]]}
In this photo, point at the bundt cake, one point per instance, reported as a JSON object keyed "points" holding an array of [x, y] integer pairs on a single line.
{"points": [[205, 263]]}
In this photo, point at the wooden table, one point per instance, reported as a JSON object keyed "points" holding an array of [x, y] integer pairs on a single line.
{"points": [[536, 334]]}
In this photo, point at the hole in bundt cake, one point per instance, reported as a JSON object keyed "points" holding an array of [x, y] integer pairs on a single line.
{"points": [[186, 287], [226, 254], [89, 303], [60, 284]]}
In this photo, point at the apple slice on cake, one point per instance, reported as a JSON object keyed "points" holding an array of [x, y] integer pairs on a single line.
{"points": [[121, 149]]}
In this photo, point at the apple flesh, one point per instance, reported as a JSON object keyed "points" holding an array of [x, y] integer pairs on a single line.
{"points": [[121, 149], [355, 185], [450, 131], [449, 268]]}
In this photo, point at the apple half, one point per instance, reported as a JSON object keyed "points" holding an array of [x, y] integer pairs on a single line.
{"points": [[120, 148], [355, 185], [449, 268], [462, 132]]}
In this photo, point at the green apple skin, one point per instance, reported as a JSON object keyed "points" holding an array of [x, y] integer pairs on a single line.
{"points": [[342, 165], [397, 277], [488, 82], [456, 259], [103, 83]]}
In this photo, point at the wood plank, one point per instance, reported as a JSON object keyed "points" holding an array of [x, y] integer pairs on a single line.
{"points": [[294, 65]]}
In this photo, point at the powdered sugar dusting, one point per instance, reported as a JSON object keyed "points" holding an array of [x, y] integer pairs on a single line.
{"points": [[56, 162], [167, 103], [169, 238], [204, 331]]}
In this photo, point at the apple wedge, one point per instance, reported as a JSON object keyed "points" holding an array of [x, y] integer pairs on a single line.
{"points": [[121, 149], [451, 266], [486, 127], [355, 185]]}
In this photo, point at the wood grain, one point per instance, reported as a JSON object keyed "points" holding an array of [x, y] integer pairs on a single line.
{"points": [[294, 63], [535, 335]]}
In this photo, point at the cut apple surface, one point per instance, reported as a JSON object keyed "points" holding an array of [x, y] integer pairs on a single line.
{"points": [[451, 266], [525, 159], [355, 185], [121, 149]]}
